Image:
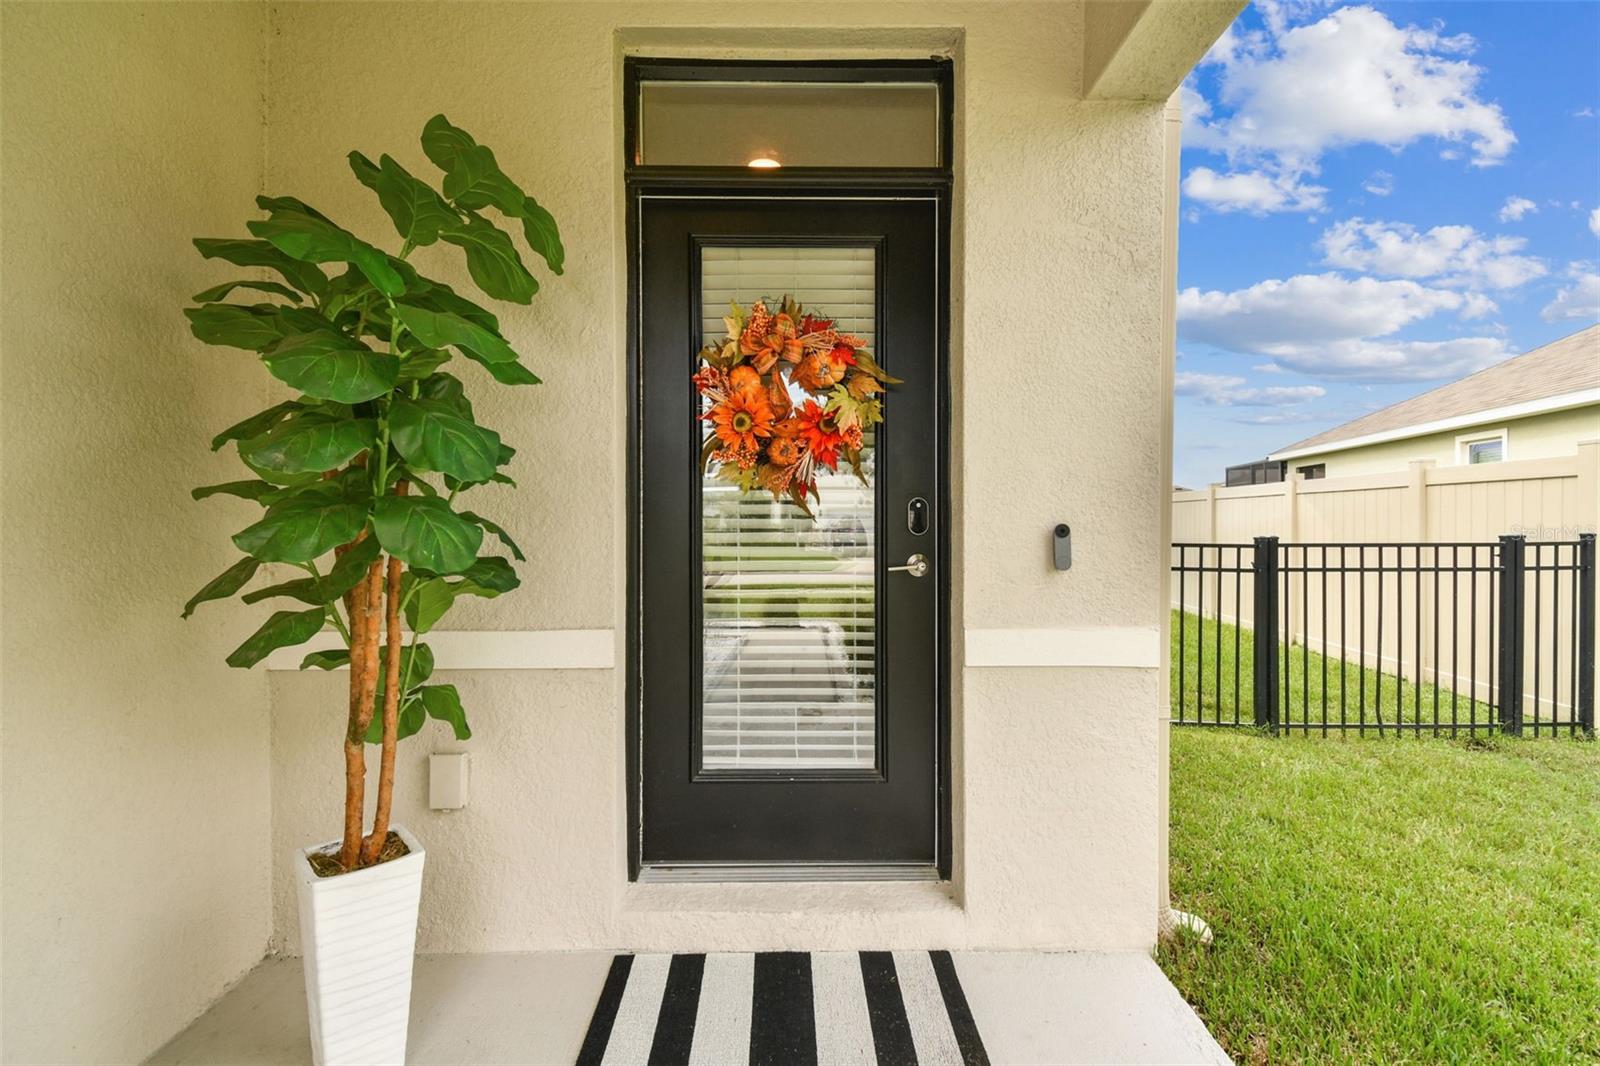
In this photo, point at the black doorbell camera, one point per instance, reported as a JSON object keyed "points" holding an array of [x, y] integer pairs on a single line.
{"points": [[1063, 546]]}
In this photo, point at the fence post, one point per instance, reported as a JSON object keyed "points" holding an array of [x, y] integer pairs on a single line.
{"points": [[1585, 647], [1265, 631], [1513, 573]]}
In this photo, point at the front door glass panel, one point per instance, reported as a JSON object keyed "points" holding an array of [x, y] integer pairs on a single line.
{"points": [[789, 605]]}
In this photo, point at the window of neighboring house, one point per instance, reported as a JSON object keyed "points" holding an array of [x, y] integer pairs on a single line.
{"points": [[1312, 472], [1481, 448]]}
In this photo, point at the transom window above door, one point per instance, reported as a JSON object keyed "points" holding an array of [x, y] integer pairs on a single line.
{"points": [[718, 114]]}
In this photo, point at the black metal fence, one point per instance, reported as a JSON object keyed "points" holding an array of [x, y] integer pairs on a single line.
{"points": [[1426, 638]]}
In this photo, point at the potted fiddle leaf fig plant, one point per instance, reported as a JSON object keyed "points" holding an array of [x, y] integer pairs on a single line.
{"points": [[360, 473]]}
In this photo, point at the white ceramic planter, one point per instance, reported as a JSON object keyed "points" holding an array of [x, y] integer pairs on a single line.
{"points": [[358, 936]]}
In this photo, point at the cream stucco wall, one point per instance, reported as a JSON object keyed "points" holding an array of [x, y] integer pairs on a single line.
{"points": [[1543, 436], [1060, 386], [135, 794]]}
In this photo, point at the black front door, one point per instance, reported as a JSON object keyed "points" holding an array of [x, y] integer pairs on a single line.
{"points": [[789, 680]]}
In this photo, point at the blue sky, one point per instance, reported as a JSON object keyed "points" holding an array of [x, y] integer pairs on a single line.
{"points": [[1378, 198]]}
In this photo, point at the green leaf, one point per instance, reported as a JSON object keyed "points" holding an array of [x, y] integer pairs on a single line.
{"points": [[447, 390], [256, 424], [441, 329], [443, 298], [432, 598], [245, 490], [476, 181], [444, 143], [418, 363], [492, 260], [331, 366], [505, 539], [422, 531], [310, 441], [224, 584], [539, 227], [302, 320], [412, 718], [289, 203], [488, 577], [417, 211], [352, 566], [313, 239], [365, 170], [305, 589], [473, 179], [432, 436], [284, 629], [444, 703], [328, 659], [303, 276], [234, 326], [416, 666], [220, 292], [286, 482], [304, 526], [511, 373]]}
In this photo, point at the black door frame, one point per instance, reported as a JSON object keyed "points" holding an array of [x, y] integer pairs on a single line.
{"points": [[811, 183]]}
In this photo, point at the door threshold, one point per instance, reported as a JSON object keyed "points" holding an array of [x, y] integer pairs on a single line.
{"points": [[701, 872]]}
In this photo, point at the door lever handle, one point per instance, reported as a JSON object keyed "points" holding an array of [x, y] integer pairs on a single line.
{"points": [[916, 566]]}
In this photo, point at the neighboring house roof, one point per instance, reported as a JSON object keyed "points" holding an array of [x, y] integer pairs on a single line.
{"points": [[1562, 374]]}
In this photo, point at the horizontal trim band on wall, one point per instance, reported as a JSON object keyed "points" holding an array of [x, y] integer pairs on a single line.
{"points": [[1129, 646], [464, 649], [595, 649]]}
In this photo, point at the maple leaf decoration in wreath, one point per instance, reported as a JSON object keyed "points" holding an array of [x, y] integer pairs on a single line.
{"points": [[786, 395]]}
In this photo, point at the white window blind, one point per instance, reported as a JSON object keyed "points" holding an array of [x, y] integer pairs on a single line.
{"points": [[789, 604]]}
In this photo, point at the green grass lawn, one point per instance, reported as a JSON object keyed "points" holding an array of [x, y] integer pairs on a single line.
{"points": [[1384, 697], [1384, 901]]}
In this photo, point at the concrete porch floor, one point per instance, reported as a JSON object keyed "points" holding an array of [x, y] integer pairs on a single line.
{"points": [[1114, 1007]]}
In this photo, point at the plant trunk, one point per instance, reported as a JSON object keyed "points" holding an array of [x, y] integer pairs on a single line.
{"points": [[366, 600], [391, 712]]}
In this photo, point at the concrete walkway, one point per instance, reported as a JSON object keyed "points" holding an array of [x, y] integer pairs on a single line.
{"points": [[1029, 1007]]}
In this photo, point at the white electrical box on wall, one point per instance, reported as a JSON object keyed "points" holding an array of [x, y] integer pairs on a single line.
{"points": [[447, 781]]}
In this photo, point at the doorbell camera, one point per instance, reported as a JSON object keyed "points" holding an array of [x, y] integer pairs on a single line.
{"points": [[1061, 539]]}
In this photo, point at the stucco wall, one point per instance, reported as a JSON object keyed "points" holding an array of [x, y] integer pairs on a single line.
{"points": [[1543, 436], [135, 765], [1059, 393]]}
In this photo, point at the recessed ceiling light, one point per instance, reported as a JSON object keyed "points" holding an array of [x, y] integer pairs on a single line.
{"points": [[764, 162]]}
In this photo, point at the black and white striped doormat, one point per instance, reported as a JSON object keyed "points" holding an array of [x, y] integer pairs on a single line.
{"points": [[900, 1008]]}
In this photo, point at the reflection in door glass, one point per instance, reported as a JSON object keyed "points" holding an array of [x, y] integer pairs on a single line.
{"points": [[789, 604]]}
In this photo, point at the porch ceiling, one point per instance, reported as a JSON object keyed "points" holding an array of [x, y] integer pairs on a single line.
{"points": [[1143, 49]]}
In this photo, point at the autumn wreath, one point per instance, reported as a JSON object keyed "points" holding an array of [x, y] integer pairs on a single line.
{"points": [[786, 394]]}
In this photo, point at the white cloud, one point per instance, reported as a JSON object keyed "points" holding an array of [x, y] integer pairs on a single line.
{"points": [[1389, 360], [1292, 93], [1584, 112], [1252, 191], [1581, 299], [1515, 207], [1337, 327], [1225, 390], [1594, 222], [1282, 418], [1450, 255], [1379, 183]]}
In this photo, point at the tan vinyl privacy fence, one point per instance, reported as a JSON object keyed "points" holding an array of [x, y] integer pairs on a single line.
{"points": [[1428, 585], [1542, 499]]}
